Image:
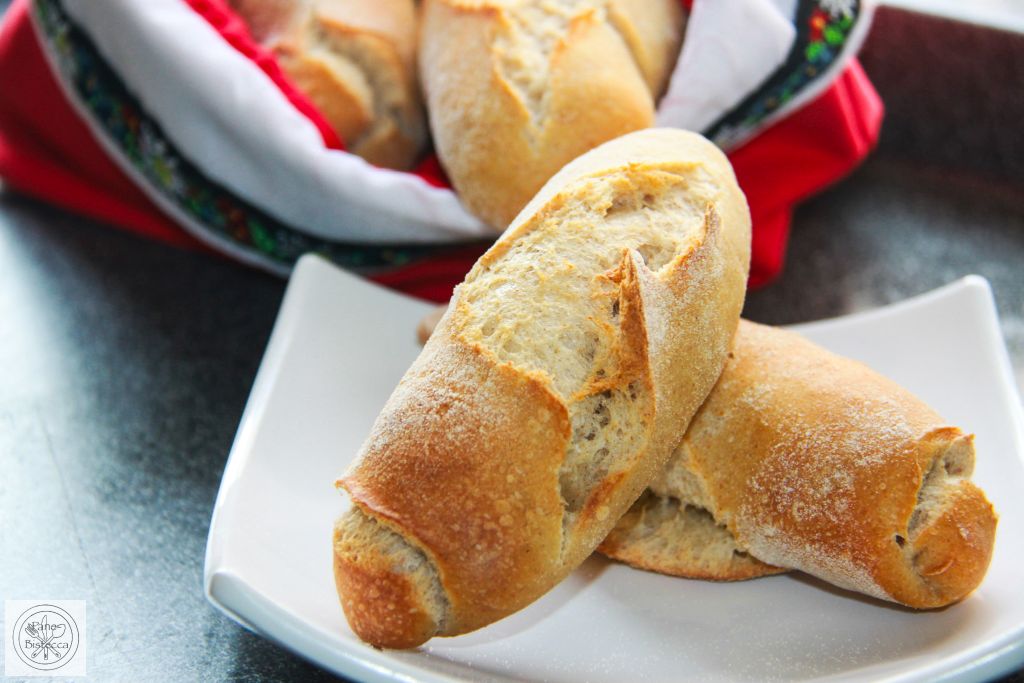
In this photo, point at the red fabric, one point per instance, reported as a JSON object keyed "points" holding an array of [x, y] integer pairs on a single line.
{"points": [[435, 278], [430, 170], [801, 155], [48, 152]]}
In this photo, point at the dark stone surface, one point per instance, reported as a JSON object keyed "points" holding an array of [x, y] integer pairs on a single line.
{"points": [[952, 93], [891, 231], [125, 368]]}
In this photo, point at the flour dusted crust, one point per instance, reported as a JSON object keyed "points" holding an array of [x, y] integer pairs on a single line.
{"points": [[806, 460], [550, 393], [355, 60], [517, 89]]}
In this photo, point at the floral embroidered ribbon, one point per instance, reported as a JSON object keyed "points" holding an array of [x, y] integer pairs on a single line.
{"points": [[823, 29]]}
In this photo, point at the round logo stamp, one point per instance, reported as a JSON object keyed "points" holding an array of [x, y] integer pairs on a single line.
{"points": [[45, 637]]}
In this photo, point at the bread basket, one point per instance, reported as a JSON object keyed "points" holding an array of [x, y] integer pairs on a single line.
{"points": [[164, 117]]}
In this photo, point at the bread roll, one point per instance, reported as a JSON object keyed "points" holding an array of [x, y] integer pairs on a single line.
{"points": [[426, 326], [266, 19], [805, 460], [518, 88], [355, 60], [549, 394]]}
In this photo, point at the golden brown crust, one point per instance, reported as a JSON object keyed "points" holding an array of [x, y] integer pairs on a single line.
{"points": [[815, 462], [654, 33], [465, 462], [382, 605], [479, 460], [514, 95], [953, 553], [379, 38], [345, 103]]}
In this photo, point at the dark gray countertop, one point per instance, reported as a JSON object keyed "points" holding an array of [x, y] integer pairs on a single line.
{"points": [[125, 366]]}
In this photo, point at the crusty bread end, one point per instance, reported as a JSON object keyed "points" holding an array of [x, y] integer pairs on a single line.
{"points": [[814, 462], [388, 589]]}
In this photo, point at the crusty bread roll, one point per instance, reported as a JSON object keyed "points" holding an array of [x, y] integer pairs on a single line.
{"points": [[550, 393], [518, 88], [266, 19], [355, 60], [806, 460]]}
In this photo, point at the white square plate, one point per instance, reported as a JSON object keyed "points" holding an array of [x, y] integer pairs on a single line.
{"points": [[341, 344]]}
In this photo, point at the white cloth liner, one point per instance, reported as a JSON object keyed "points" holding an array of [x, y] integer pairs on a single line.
{"points": [[167, 205], [226, 116], [854, 41], [731, 47]]}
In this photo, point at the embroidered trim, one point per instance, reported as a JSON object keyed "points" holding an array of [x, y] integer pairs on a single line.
{"points": [[142, 142], [823, 29]]}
